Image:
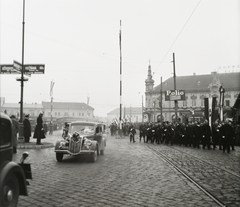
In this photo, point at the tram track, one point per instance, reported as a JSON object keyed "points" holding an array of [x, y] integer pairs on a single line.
{"points": [[200, 173], [206, 162]]}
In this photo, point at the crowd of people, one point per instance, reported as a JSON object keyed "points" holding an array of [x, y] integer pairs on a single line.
{"points": [[193, 134]]}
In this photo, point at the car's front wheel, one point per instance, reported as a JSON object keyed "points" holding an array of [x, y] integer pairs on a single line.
{"points": [[93, 156], [9, 191], [59, 157]]}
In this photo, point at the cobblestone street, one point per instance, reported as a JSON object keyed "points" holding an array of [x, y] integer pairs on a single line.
{"points": [[131, 174]]}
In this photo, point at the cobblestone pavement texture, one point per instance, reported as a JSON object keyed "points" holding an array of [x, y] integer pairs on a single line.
{"points": [[129, 174]]}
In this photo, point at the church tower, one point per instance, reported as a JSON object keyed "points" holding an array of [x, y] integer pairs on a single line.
{"points": [[149, 82]]}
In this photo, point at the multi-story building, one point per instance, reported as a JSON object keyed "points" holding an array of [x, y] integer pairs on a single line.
{"points": [[67, 111], [192, 89], [57, 111], [129, 114]]}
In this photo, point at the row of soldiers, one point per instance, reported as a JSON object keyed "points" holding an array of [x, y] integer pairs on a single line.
{"points": [[192, 134]]}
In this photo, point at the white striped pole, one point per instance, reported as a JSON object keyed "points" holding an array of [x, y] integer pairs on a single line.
{"points": [[120, 117]]}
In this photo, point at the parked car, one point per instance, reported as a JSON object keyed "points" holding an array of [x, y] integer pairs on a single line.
{"points": [[12, 175], [82, 138]]}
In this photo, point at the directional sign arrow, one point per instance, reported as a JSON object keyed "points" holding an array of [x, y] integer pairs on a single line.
{"points": [[17, 66]]}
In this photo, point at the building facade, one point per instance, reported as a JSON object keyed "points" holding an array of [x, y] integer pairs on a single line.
{"points": [[129, 114], [195, 88], [59, 112]]}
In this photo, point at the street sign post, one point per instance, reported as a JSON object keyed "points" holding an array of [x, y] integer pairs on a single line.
{"points": [[16, 68]]}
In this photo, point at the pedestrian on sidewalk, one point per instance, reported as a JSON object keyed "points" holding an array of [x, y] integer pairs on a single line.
{"points": [[26, 128], [15, 130], [39, 130]]}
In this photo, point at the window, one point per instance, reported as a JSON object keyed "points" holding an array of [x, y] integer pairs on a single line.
{"points": [[65, 113], [73, 113], [202, 102], [194, 102], [55, 113], [82, 114], [58, 113], [184, 103], [227, 102]]}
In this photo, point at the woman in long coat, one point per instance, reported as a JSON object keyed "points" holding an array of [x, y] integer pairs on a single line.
{"points": [[39, 131], [27, 128]]}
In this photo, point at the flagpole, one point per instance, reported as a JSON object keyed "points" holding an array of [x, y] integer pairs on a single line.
{"points": [[51, 95], [120, 117]]}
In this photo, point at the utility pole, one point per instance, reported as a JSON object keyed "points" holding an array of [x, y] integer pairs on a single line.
{"points": [[142, 109], [161, 100], [174, 78], [22, 79]]}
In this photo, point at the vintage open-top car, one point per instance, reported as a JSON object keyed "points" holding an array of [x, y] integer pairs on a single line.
{"points": [[12, 175], [82, 138]]}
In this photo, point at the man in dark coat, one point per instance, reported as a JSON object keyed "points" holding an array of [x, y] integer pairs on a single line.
{"points": [[39, 131], [26, 128], [225, 133], [15, 131], [206, 134]]}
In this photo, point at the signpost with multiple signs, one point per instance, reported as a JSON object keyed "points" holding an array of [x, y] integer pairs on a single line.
{"points": [[16, 68]]}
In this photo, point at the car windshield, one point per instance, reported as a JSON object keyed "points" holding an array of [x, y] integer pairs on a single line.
{"points": [[82, 129]]}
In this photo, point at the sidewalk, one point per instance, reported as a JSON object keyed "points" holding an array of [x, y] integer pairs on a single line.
{"points": [[48, 142]]}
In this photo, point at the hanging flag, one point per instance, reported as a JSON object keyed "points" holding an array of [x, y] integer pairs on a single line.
{"points": [[51, 88], [206, 109]]}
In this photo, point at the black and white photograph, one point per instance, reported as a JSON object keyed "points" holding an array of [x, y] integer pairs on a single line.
{"points": [[119, 103]]}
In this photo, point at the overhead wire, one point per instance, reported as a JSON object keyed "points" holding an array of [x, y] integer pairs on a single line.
{"points": [[177, 36]]}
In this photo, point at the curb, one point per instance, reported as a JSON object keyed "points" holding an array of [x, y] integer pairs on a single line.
{"points": [[34, 146]]}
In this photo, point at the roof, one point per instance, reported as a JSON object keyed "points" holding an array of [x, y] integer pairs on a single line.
{"points": [[129, 110], [237, 102], [64, 105], [25, 105], [230, 81], [84, 122]]}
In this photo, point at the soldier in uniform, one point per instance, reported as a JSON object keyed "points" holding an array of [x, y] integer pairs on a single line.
{"points": [[206, 134], [196, 134], [158, 133], [233, 135], [225, 134], [142, 132], [164, 132], [170, 133], [149, 132]]}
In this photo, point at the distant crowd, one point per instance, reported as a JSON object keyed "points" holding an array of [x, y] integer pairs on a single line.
{"points": [[194, 134]]}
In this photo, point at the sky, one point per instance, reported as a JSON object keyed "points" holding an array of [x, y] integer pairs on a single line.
{"points": [[78, 42]]}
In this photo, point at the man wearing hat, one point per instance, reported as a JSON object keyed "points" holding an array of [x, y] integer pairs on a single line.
{"points": [[39, 131], [26, 128], [15, 130]]}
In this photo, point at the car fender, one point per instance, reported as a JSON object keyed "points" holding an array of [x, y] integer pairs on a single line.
{"points": [[11, 167], [57, 145], [94, 146]]}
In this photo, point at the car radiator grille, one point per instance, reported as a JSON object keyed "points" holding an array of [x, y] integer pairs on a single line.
{"points": [[74, 147]]}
